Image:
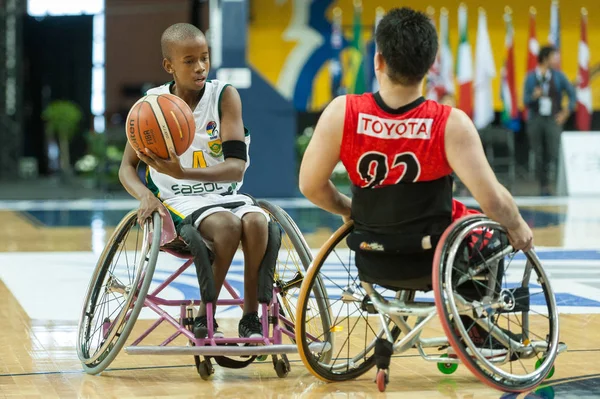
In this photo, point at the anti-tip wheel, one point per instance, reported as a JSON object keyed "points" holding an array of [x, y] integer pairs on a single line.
{"points": [[382, 380]]}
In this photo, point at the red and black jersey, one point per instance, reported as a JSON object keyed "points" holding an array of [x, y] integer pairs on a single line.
{"points": [[383, 146]]}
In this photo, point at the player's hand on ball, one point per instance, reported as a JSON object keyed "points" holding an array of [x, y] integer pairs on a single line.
{"points": [[169, 166]]}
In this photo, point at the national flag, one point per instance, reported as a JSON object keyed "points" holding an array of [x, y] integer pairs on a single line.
{"points": [[485, 71], [337, 42], [372, 48], [433, 89], [464, 65], [357, 67], [583, 118], [446, 58], [533, 48], [510, 112]]}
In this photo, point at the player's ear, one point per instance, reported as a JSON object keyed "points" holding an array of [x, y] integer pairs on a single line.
{"points": [[378, 61], [168, 66]]}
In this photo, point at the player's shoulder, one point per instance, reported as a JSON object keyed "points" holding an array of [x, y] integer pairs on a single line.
{"points": [[458, 119], [162, 89]]}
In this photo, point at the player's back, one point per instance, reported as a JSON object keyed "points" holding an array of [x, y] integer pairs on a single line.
{"points": [[396, 161]]}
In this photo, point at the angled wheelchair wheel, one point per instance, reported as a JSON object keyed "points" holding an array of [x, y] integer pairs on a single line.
{"points": [[344, 350], [496, 306], [116, 292], [294, 259]]}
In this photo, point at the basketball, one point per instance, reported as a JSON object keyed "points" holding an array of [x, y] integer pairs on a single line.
{"points": [[160, 122]]}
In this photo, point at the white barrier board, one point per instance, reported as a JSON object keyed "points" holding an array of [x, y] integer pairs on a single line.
{"points": [[579, 171]]}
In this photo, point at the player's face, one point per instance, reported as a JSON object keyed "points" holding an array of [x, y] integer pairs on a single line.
{"points": [[554, 60], [190, 63]]}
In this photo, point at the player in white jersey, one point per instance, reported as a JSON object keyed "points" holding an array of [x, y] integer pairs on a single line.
{"points": [[202, 184]]}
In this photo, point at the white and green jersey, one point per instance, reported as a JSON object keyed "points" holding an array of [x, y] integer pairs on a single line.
{"points": [[206, 149]]}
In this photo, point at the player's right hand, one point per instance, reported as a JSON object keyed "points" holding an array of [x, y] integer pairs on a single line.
{"points": [[521, 238], [149, 204]]}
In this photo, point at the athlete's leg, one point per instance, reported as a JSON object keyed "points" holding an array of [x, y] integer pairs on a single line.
{"points": [[255, 234], [224, 231]]}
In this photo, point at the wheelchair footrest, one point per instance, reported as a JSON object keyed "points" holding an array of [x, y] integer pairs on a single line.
{"points": [[212, 350]]}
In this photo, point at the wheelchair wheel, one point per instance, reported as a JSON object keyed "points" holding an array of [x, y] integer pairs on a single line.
{"points": [[344, 350], [117, 290], [294, 259], [496, 306]]}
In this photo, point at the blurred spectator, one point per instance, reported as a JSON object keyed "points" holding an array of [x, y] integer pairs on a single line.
{"points": [[544, 90]]}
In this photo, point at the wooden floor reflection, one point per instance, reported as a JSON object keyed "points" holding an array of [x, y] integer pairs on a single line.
{"points": [[39, 361], [38, 358]]}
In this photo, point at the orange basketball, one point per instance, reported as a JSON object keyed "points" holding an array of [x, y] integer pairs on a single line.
{"points": [[160, 122]]}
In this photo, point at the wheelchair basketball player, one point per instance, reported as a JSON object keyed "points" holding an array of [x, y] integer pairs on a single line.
{"points": [[400, 151], [200, 188]]}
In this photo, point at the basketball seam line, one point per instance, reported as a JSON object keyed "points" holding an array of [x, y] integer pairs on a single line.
{"points": [[156, 118], [191, 134], [138, 131], [165, 137]]}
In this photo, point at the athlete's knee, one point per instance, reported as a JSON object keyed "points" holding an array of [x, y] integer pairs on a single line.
{"points": [[254, 224], [226, 230]]}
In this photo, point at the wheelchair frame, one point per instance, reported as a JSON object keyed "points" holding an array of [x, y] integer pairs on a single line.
{"points": [[402, 306], [275, 323]]}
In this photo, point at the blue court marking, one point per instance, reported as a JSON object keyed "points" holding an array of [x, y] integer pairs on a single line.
{"points": [[190, 291]]}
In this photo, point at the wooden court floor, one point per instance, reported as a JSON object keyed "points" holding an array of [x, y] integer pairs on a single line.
{"points": [[38, 357]]}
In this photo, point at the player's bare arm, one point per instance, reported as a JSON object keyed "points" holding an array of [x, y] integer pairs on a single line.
{"points": [[321, 157], [232, 129], [466, 157], [132, 183]]}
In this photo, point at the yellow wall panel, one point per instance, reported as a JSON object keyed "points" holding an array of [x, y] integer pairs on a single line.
{"points": [[268, 50]]}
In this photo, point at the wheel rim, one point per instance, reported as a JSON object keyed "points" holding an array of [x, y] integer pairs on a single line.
{"points": [[493, 372], [112, 291]]}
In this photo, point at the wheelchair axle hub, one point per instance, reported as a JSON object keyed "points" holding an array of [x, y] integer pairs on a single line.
{"points": [[114, 285]]}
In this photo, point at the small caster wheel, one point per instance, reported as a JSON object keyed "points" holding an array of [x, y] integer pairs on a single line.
{"points": [[539, 363], [261, 358], [205, 369], [382, 380], [281, 368], [447, 368]]}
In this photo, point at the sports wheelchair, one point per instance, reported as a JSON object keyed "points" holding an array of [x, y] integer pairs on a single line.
{"points": [[495, 306], [120, 287]]}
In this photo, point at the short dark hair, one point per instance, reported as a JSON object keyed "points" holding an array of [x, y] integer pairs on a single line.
{"points": [[177, 33], [545, 53], [408, 41]]}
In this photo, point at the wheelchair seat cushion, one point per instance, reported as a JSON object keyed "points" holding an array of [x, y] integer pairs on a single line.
{"points": [[396, 271]]}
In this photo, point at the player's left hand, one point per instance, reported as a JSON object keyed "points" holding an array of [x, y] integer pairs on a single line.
{"points": [[170, 166]]}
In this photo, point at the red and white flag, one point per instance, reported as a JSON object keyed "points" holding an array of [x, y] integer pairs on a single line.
{"points": [[464, 68], [434, 89], [583, 118], [533, 47]]}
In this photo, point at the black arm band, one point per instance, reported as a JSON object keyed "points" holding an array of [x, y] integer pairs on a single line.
{"points": [[235, 149]]}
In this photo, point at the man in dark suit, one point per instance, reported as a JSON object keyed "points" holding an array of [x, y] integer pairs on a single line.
{"points": [[543, 94]]}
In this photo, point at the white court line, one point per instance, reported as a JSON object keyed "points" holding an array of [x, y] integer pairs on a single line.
{"points": [[295, 203]]}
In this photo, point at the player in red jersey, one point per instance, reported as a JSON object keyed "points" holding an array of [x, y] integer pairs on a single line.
{"points": [[400, 149]]}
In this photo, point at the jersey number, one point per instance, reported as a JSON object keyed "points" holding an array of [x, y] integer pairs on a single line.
{"points": [[199, 161], [373, 167]]}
